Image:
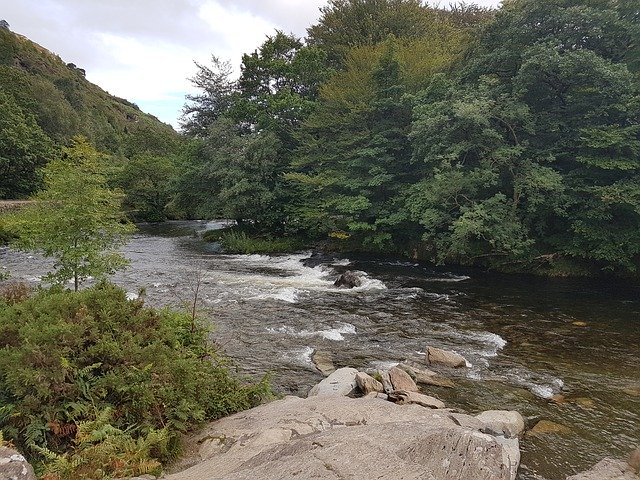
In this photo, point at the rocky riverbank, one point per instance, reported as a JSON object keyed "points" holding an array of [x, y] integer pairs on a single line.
{"points": [[356, 425]]}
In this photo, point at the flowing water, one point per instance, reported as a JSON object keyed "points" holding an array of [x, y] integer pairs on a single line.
{"points": [[527, 339]]}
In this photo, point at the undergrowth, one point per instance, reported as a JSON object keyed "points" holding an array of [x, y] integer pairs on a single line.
{"points": [[93, 385]]}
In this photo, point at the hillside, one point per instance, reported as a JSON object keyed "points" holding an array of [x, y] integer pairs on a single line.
{"points": [[41, 94]]}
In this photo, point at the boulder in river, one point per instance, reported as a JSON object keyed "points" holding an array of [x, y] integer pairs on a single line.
{"points": [[348, 280], [337, 437], [14, 466], [400, 380], [367, 384], [438, 356], [342, 382], [507, 423], [323, 362], [607, 469]]}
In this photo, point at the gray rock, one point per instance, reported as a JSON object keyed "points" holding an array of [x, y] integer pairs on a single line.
{"points": [[437, 356], [323, 362], [348, 280], [423, 376], [14, 466], [400, 380], [607, 469], [502, 422], [367, 384], [402, 397], [342, 382], [340, 437]]}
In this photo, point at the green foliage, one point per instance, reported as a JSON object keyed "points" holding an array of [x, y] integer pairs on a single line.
{"points": [[345, 24], [102, 451], [76, 219], [24, 148], [144, 178], [90, 377], [229, 175], [238, 241]]}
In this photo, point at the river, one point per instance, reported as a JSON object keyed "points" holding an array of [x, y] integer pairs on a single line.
{"points": [[526, 338]]}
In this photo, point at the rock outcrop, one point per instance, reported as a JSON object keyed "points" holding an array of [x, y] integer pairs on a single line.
{"points": [[14, 466], [509, 424], [424, 376], [334, 437]]}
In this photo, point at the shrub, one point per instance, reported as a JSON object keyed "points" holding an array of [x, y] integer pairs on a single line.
{"points": [[65, 357]]}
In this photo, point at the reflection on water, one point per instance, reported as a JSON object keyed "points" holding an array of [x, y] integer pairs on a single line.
{"points": [[527, 339]]}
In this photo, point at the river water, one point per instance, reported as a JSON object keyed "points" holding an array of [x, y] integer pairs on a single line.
{"points": [[526, 338]]}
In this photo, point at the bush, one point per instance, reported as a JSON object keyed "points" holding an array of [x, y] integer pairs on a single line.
{"points": [[67, 357]]}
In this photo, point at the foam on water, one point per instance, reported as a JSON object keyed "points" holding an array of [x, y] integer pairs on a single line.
{"points": [[449, 279], [284, 278], [299, 356], [335, 334]]}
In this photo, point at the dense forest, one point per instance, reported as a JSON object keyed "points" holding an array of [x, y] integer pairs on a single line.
{"points": [[505, 139]]}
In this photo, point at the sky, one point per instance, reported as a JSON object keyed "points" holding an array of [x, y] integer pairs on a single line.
{"points": [[144, 50]]}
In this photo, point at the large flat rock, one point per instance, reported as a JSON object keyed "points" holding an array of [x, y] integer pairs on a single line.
{"points": [[338, 437]]}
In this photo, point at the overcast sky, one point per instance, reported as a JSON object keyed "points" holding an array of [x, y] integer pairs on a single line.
{"points": [[143, 50]]}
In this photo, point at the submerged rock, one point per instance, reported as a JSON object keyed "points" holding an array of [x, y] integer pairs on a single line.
{"points": [[339, 437], [545, 427], [447, 358], [323, 362], [342, 382], [607, 469], [14, 466], [634, 460], [348, 280]]}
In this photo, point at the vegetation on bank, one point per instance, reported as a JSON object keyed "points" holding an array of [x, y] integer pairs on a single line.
{"points": [[93, 385], [234, 240]]}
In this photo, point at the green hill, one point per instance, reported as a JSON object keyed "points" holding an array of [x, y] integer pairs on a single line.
{"points": [[46, 102]]}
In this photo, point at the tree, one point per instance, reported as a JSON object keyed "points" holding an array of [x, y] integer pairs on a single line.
{"points": [[146, 181], [215, 97], [76, 219], [346, 24], [229, 175], [24, 149]]}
